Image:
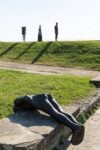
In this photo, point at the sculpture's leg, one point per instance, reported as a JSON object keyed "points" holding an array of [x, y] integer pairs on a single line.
{"points": [[47, 107], [55, 37], [78, 134], [58, 107]]}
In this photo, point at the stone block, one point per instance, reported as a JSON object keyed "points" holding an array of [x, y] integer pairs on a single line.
{"points": [[96, 81], [32, 131]]}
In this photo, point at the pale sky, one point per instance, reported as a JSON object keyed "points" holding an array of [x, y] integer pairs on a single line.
{"points": [[77, 19]]}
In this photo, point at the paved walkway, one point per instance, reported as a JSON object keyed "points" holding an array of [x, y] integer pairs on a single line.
{"points": [[92, 134], [41, 69]]}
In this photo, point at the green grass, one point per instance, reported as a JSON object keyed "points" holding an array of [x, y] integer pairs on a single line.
{"points": [[80, 54], [65, 89]]}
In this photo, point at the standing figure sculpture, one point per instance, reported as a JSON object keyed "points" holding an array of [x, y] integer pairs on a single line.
{"points": [[23, 33], [56, 31], [48, 104], [39, 34]]}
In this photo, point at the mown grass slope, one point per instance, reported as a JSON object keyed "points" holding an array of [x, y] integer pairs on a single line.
{"points": [[65, 89], [80, 54]]}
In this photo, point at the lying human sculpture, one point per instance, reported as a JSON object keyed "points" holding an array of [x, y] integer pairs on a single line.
{"points": [[48, 104]]}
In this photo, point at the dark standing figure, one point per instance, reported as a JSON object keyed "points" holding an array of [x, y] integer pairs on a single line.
{"points": [[48, 104], [23, 33], [56, 31], [39, 34]]}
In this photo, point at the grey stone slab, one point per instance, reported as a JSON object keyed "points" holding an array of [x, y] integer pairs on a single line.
{"points": [[96, 81], [31, 130]]}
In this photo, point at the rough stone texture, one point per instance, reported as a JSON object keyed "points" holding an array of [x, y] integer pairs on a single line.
{"points": [[32, 131]]}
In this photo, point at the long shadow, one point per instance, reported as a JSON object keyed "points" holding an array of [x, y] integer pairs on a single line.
{"points": [[29, 46], [8, 49], [41, 52]]}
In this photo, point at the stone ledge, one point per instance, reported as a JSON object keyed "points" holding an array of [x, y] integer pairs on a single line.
{"points": [[32, 131], [96, 81]]}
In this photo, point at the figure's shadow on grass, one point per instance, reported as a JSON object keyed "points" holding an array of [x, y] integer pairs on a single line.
{"points": [[41, 52], [23, 52], [8, 49]]}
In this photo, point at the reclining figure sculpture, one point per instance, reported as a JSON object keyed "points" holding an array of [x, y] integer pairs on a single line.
{"points": [[48, 104]]}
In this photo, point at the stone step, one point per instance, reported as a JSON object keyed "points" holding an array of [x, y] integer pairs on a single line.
{"points": [[32, 131], [96, 81]]}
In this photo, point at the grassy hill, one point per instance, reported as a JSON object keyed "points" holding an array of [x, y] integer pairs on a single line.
{"points": [[80, 54]]}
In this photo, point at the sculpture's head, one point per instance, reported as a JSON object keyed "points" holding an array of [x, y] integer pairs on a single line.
{"points": [[24, 107]]}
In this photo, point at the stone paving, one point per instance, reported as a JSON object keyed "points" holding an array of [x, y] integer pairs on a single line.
{"points": [[92, 134]]}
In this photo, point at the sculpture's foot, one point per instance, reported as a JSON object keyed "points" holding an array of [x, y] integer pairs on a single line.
{"points": [[78, 135]]}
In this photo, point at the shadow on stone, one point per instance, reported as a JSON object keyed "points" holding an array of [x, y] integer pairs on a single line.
{"points": [[29, 118]]}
